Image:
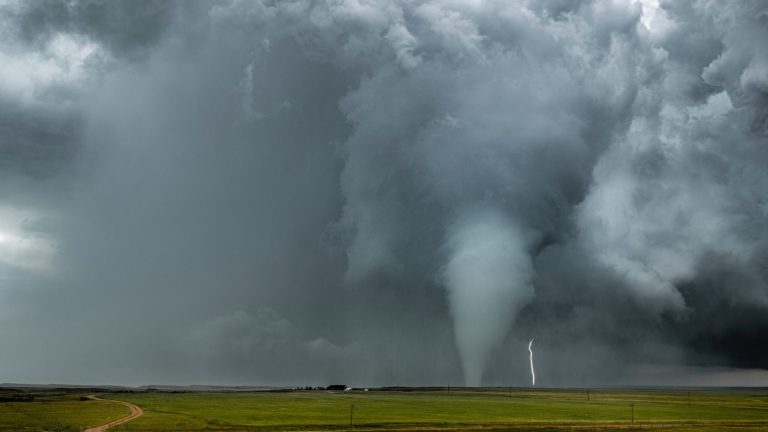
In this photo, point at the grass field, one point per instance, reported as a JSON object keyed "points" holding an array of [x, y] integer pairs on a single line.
{"points": [[57, 412], [416, 410]]}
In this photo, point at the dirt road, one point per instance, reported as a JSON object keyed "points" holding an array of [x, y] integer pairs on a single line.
{"points": [[136, 411]]}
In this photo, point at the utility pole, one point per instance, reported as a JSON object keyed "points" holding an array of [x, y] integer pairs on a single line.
{"points": [[351, 411], [689, 398], [587, 394], [510, 392], [633, 412]]}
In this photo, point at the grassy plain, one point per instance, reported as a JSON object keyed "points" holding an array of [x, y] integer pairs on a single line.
{"points": [[52, 411], [432, 410]]}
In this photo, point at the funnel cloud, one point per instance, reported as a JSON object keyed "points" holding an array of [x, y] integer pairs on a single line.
{"points": [[488, 278], [383, 192]]}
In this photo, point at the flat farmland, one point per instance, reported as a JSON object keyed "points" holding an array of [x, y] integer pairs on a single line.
{"points": [[420, 409], [52, 411]]}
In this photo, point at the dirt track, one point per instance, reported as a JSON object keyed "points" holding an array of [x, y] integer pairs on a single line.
{"points": [[136, 411]]}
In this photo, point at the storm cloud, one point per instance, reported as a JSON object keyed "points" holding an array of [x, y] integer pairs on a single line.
{"points": [[383, 192]]}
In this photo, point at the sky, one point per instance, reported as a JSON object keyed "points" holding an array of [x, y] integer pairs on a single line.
{"points": [[371, 192]]}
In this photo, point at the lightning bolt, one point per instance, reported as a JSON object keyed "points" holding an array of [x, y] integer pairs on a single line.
{"points": [[533, 374]]}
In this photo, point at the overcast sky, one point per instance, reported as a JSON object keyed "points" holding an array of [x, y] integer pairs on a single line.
{"points": [[383, 192]]}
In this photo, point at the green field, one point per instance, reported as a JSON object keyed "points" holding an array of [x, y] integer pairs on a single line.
{"points": [[412, 410], [57, 412]]}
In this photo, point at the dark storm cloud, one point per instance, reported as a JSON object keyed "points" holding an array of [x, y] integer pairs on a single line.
{"points": [[124, 27], [44, 36], [383, 192], [36, 143]]}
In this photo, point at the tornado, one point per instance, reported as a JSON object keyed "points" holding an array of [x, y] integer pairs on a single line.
{"points": [[488, 279]]}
